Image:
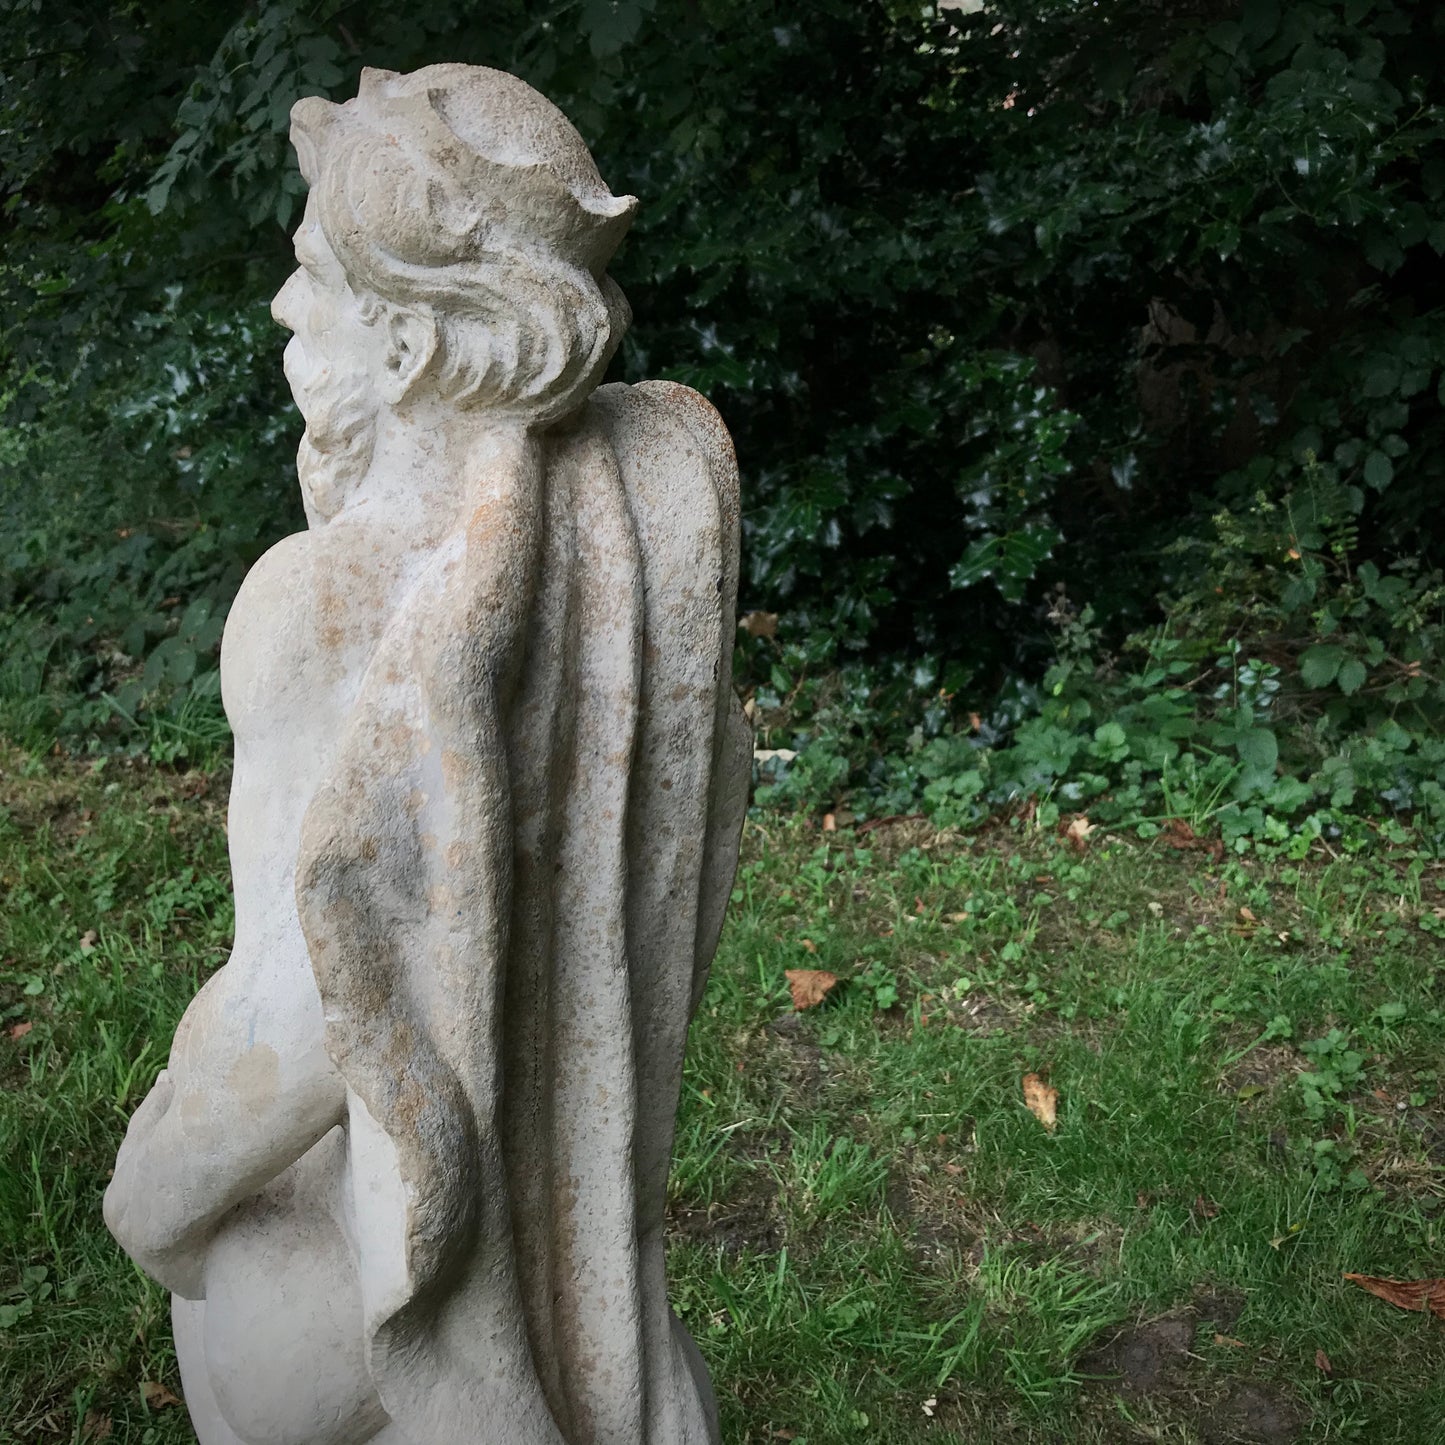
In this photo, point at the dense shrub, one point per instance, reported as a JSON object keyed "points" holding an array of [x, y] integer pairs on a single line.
{"points": [[995, 299]]}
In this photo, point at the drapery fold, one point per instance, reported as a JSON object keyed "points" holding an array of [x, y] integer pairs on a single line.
{"points": [[511, 885]]}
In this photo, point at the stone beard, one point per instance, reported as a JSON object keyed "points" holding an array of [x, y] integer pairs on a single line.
{"points": [[339, 406], [406, 1170]]}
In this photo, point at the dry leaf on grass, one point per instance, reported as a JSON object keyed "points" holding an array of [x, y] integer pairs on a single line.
{"points": [[18, 1031], [759, 624], [88, 940], [1078, 832], [1229, 1340], [1043, 1101], [1178, 834], [809, 986], [97, 1425], [156, 1396], [1322, 1363], [1405, 1294]]}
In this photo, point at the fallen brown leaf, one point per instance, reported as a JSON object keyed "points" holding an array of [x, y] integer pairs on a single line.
{"points": [[1405, 1294], [759, 624], [156, 1396], [1229, 1340], [1178, 834], [1078, 832], [88, 940], [1322, 1363], [1206, 1208], [18, 1031], [808, 945], [809, 986], [830, 822], [953, 1170], [97, 1425], [1043, 1101]]}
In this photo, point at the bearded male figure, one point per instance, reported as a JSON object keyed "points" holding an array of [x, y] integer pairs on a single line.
{"points": [[405, 1171]]}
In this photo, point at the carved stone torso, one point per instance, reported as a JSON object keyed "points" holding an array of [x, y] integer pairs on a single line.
{"points": [[405, 1173]]}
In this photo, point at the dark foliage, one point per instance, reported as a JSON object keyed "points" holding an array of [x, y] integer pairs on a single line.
{"points": [[993, 299]]}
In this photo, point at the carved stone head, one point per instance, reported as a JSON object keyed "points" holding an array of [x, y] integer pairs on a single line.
{"points": [[453, 252]]}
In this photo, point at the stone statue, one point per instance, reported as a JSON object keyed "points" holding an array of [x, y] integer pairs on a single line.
{"points": [[405, 1173]]}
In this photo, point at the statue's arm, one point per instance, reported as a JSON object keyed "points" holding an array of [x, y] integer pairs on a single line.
{"points": [[237, 1104], [249, 1087]]}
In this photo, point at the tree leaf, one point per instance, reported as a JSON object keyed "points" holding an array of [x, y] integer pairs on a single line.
{"points": [[1319, 665], [1379, 471], [809, 986], [1412, 1294], [1352, 676], [157, 1396], [1258, 749], [1042, 1100]]}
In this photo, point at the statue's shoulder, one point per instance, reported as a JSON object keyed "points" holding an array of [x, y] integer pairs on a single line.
{"points": [[271, 608], [274, 586], [295, 627], [664, 423]]}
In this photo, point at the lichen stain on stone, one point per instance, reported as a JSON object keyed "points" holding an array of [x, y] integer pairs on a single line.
{"points": [[255, 1076]]}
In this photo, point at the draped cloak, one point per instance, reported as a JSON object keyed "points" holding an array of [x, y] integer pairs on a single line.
{"points": [[511, 885]]}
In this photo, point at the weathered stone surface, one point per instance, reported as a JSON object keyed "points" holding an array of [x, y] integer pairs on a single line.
{"points": [[405, 1172]]}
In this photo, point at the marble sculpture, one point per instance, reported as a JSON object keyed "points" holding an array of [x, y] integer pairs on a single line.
{"points": [[405, 1171]]}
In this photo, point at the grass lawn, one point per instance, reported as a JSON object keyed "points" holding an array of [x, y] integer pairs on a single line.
{"points": [[873, 1238]]}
